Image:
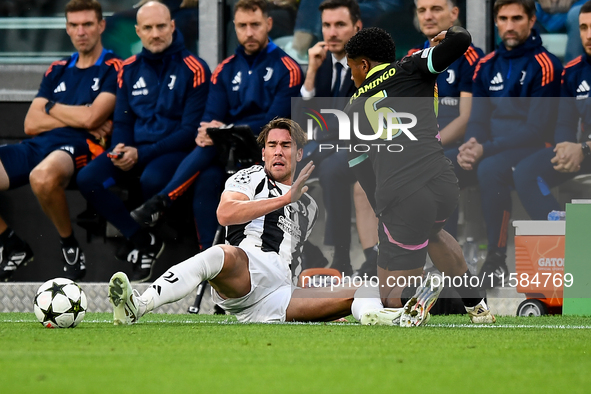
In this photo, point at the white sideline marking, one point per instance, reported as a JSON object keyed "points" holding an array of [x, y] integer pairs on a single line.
{"points": [[509, 326], [479, 326]]}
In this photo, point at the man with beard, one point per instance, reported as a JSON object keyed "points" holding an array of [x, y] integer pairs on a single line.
{"points": [[512, 117], [249, 88]]}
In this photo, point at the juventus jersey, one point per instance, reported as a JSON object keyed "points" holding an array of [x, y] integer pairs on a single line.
{"points": [[282, 231], [67, 84], [575, 105]]}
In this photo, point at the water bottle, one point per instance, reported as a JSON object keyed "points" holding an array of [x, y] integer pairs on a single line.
{"points": [[482, 252], [557, 215], [471, 254]]}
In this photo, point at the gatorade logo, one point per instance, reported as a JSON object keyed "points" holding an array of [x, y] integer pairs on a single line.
{"points": [[551, 262]]}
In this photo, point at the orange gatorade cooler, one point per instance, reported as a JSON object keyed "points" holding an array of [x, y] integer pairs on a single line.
{"points": [[539, 266]]}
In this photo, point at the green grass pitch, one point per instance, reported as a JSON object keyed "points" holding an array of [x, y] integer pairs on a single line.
{"points": [[214, 354]]}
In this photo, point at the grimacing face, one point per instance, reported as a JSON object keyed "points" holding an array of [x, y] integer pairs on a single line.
{"points": [[278, 155], [155, 27], [514, 25], [252, 29], [435, 16], [84, 30]]}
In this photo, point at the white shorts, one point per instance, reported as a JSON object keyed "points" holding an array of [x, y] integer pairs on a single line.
{"points": [[270, 290]]}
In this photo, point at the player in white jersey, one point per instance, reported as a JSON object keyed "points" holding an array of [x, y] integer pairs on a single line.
{"points": [[281, 231], [268, 216]]}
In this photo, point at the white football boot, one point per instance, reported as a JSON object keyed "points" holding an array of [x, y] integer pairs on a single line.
{"points": [[127, 307], [382, 317], [480, 314], [416, 310]]}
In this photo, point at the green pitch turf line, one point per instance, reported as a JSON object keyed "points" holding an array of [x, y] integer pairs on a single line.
{"points": [[454, 321], [215, 354]]}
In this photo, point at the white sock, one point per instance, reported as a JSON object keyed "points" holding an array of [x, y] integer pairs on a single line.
{"points": [[481, 304], [180, 280], [366, 298]]}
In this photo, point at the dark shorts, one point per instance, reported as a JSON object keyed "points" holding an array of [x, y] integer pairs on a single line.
{"points": [[20, 159], [404, 229]]}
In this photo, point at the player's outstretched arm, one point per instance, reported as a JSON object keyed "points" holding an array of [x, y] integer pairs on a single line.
{"points": [[238, 208], [453, 43]]}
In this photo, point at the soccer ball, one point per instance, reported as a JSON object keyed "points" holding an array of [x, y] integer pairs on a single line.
{"points": [[60, 303]]}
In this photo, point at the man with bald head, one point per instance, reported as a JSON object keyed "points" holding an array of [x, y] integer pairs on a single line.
{"points": [[160, 98]]}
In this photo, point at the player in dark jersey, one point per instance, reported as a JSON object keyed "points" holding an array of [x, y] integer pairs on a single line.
{"points": [[406, 176], [69, 120], [269, 216]]}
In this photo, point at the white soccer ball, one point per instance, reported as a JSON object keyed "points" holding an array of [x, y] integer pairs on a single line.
{"points": [[60, 303]]}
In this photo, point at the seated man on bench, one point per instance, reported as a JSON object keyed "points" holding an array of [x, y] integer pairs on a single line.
{"points": [[249, 88]]}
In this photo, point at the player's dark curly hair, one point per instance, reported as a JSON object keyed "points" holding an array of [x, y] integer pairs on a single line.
{"points": [[372, 43], [297, 134]]}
